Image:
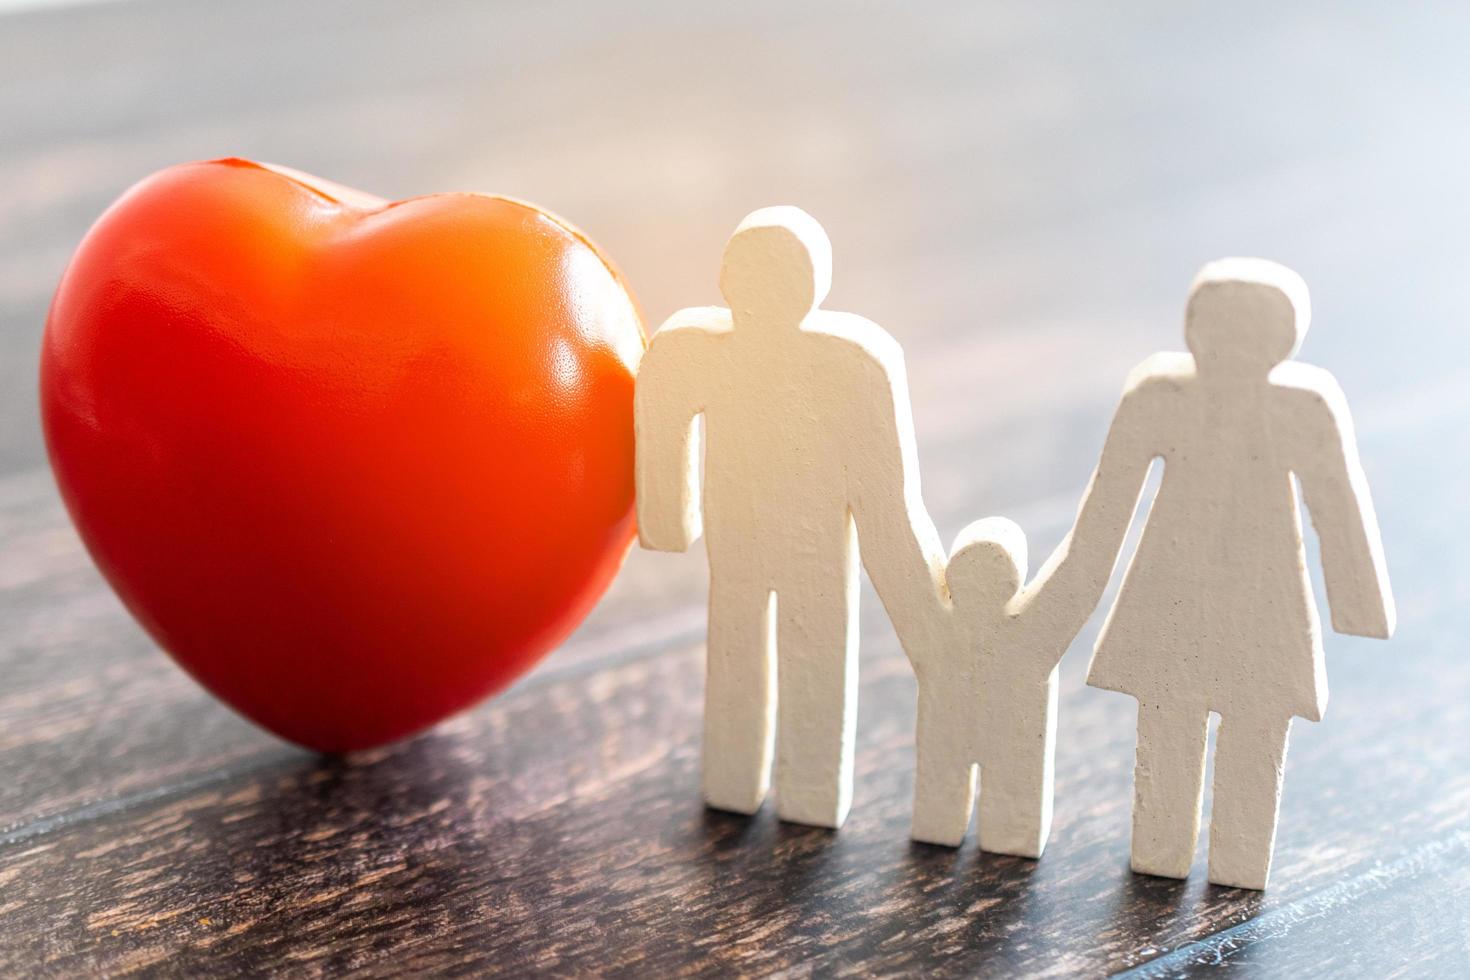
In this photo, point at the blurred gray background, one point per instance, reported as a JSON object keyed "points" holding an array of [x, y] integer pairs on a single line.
{"points": [[1003, 175]]}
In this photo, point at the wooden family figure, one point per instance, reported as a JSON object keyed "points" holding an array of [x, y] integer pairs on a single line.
{"points": [[810, 452]]}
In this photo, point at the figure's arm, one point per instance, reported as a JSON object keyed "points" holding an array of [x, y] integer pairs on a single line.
{"points": [[1057, 603], [668, 397], [898, 542], [1059, 600], [1337, 498]]}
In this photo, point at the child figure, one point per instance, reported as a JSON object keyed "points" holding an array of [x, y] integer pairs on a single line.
{"points": [[988, 693]]}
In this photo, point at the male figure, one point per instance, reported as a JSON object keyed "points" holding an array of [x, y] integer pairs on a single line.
{"points": [[988, 693], [810, 445]]}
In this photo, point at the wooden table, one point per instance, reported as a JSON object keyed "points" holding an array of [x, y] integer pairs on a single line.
{"points": [[1021, 196]]}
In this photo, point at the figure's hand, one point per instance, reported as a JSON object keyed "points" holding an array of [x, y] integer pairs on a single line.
{"points": [[669, 515], [660, 543], [1368, 619], [1362, 604], [669, 535]]}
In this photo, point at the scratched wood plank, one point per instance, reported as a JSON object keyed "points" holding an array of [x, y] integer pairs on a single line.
{"points": [[1005, 192]]}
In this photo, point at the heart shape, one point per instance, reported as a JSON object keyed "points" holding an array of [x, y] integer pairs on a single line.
{"points": [[354, 464]]}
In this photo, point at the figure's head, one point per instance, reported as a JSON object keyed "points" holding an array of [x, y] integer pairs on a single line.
{"points": [[987, 564], [777, 267], [1245, 315]]}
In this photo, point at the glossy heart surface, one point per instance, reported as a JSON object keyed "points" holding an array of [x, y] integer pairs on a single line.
{"points": [[354, 464]]}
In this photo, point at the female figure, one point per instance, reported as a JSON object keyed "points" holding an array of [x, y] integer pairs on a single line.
{"points": [[1215, 612]]}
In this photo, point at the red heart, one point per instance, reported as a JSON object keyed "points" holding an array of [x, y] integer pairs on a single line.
{"points": [[354, 464]]}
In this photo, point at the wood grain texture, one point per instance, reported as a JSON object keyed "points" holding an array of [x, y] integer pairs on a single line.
{"points": [[1007, 189]]}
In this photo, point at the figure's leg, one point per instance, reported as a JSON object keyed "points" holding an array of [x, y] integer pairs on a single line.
{"points": [[1168, 783], [739, 695], [944, 774], [1250, 760], [816, 656], [1016, 781]]}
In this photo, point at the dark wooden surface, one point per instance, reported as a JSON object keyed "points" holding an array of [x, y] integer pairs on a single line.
{"points": [[1021, 195]]}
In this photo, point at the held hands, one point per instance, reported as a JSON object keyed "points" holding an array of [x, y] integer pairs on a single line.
{"points": [[928, 629]]}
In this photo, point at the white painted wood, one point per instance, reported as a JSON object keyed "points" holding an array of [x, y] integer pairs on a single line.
{"points": [[988, 690], [1215, 612], [810, 445]]}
